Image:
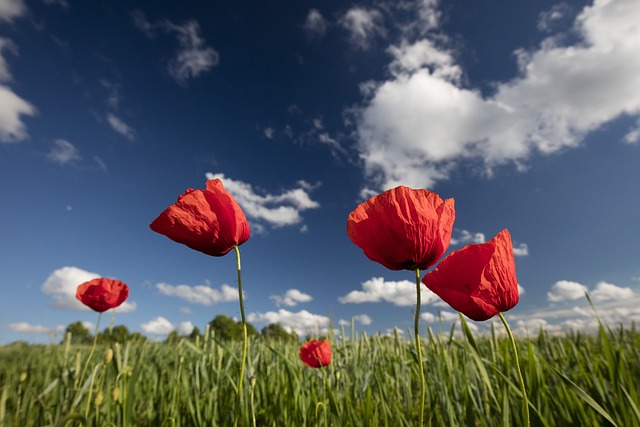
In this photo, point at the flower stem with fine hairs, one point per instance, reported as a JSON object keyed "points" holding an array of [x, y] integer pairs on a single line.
{"points": [[525, 400], [418, 348], [244, 337]]}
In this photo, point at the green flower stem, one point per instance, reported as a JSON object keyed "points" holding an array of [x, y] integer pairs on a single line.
{"points": [[244, 337], [86, 365], [525, 400], [418, 348]]}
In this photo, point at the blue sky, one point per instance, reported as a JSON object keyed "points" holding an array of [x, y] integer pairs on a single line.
{"points": [[527, 114]]}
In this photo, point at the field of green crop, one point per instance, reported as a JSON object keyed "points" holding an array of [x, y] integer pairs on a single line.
{"points": [[573, 380]]}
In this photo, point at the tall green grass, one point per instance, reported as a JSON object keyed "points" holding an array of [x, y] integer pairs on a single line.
{"points": [[572, 380]]}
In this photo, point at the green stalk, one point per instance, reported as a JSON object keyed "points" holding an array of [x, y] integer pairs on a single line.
{"points": [[86, 365], [525, 400], [418, 348], [244, 337]]}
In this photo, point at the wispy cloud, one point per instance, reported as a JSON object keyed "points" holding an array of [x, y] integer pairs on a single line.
{"points": [[62, 284], [157, 326], [415, 127], [63, 152], [276, 210], [12, 107], [315, 25], [200, 294], [118, 125], [363, 25], [11, 9], [291, 298], [193, 57]]}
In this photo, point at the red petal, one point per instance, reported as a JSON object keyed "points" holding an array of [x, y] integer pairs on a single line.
{"points": [[478, 280], [209, 221], [403, 228]]}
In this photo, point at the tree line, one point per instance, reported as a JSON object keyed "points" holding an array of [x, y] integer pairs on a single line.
{"points": [[224, 327]]}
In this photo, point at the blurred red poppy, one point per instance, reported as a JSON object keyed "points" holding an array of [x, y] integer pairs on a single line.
{"points": [[209, 221], [102, 294], [316, 354], [403, 228], [478, 280]]}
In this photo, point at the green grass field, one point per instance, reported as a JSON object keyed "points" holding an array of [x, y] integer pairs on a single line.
{"points": [[573, 380]]}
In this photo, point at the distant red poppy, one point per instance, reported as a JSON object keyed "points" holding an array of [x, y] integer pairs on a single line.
{"points": [[102, 294], [209, 221], [403, 228], [316, 354], [478, 280]]}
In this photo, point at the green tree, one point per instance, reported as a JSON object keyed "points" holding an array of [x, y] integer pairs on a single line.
{"points": [[275, 331], [79, 334], [195, 333], [226, 328], [118, 333]]}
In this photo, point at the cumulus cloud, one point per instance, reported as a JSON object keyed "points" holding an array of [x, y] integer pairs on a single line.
{"points": [[362, 25], [10, 9], [609, 292], [118, 125], [315, 25], [277, 210], [63, 152], [62, 283], [415, 127], [25, 327], [157, 326], [185, 328], [200, 294], [291, 298], [301, 323], [376, 289], [193, 57], [565, 290]]}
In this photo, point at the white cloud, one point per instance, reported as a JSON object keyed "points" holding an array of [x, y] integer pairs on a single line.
{"points": [[28, 328], [302, 322], [193, 57], [10, 9], [553, 18], [63, 152], [565, 290], [62, 284], [291, 298], [363, 319], [200, 294], [185, 328], [315, 24], [414, 128], [363, 25], [12, 107], [276, 210], [118, 125], [5, 74], [609, 292], [464, 237], [376, 289], [157, 326], [521, 250]]}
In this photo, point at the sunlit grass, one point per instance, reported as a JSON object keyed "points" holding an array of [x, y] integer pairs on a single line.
{"points": [[572, 380]]}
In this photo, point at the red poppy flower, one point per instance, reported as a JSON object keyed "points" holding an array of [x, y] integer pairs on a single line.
{"points": [[316, 354], [403, 228], [478, 280], [102, 294], [209, 221]]}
